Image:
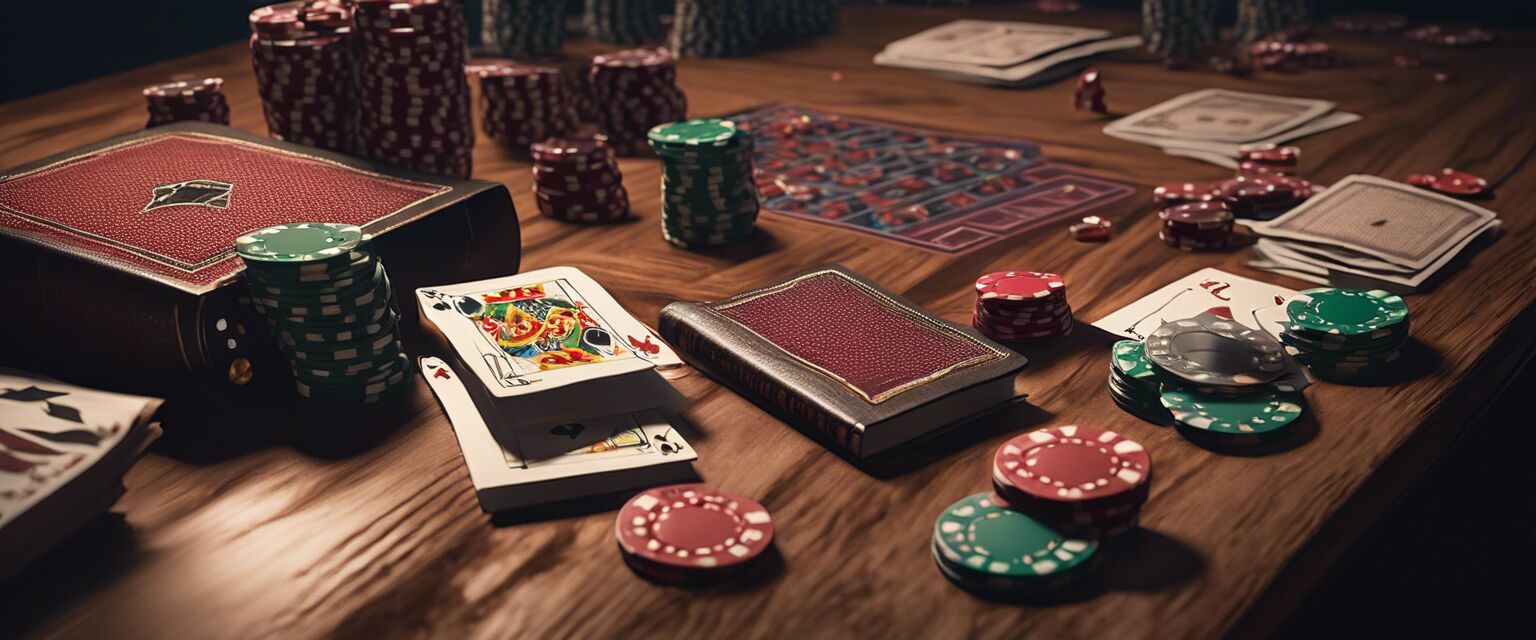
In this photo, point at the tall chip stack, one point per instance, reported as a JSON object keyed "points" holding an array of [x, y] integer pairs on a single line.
{"points": [[1259, 18], [624, 21], [1015, 306], [799, 18], [196, 100], [522, 28], [1177, 29], [328, 302], [1348, 336], [303, 59], [577, 180], [708, 193], [715, 28], [414, 97], [634, 91], [523, 104]]}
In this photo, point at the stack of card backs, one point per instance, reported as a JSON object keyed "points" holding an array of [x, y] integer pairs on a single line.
{"points": [[1213, 125], [1014, 53], [552, 389], [63, 452], [1371, 233]]}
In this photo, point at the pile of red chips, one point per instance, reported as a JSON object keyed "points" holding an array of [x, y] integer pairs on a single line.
{"points": [[523, 104], [1080, 481], [1014, 306], [414, 98], [1293, 51], [1451, 182], [1450, 35], [688, 534], [201, 100], [633, 91], [1197, 226], [577, 180], [303, 59], [1264, 188], [1091, 229]]}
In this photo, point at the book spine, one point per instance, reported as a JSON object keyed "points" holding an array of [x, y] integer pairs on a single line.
{"points": [[754, 379]]}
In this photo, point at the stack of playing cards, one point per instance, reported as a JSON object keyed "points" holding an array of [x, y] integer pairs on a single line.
{"points": [[1371, 233], [1214, 124], [552, 389], [1011, 53], [63, 452]]}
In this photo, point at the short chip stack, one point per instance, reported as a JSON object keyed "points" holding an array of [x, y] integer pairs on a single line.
{"points": [[799, 18], [1135, 385], [414, 97], [634, 91], [523, 104], [1014, 306], [623, 21], [1197, 226], [303, 58], [708, 193], [327, 300], [1259, 18], [1082, 481], [1347, 335], [522, 28], [1265, 187], [577, 180], [715, 28], [690, 534], [986, 547], [197, 100]]}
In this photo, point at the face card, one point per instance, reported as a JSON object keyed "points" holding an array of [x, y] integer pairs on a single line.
{"points": [[1223, 116], [1204, 290], [540, 330], [990, 43]]}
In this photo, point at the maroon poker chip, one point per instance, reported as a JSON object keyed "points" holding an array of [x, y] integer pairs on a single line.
{"points": [[1176, 193], [1200, 215], [1020, 285], [1450, 182], [693, 527], [1080, 467]]}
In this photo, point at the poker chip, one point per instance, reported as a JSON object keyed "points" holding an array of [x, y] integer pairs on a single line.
{"points": [[1134, 383], [1291, 49], [1177, 193], [577, 180], [1176, 30], [1376, 22], [329, 304], [1016, 306], [635, 91], [1346, 312], [691, 533], [1225, 420], [187, 100], [1264, 195], [1450, 35], [1197, 226], [1451, 182], [523, 28], [983, 545], [522, 104], [1079, 480], [624, 21], [1347, 335], [1090, 229], [715, 28], [1215, 352], [709, 196], [303, 58]]}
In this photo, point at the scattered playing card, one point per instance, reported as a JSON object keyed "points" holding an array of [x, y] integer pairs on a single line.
{"points": [[1212, 124], [1012, 53], [1208, 289]]}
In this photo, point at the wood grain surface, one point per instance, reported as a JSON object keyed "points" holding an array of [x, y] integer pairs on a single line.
{"points": [[263, 517]]}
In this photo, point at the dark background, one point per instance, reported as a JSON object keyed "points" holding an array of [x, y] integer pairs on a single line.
{"points": [[46, 46]]}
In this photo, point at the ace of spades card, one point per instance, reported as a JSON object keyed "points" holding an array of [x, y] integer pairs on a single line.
{"points": [[1196, 293]]}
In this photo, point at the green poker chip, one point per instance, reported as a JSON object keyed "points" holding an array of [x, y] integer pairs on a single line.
{"points": [[704, 132], [1253, 415], [300, 242], [980, 536], [1346, 312]]}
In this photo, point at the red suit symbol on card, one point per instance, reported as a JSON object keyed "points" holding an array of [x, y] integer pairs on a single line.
{"points": [[645, 346], [1216, 288], [442, 373]]}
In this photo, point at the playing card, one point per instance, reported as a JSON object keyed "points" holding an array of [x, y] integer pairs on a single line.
{"points": [[1219, 115], [990, 43], [1225, 153], [1052, 65], [541, 330], [1204, 290], [1282, 258]]}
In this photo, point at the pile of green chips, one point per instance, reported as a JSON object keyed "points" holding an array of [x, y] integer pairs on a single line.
{"points": [[327, 300], [715, 28], [1347, 335], [988, 548], [708, 193], [1221, 384]]}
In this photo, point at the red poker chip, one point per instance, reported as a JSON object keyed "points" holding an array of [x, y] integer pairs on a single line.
{"points": [[693, 527], [1203, 215], [1277, 156], [1080, 466], [1176, 193], [1020, 285], [1451, 182]]}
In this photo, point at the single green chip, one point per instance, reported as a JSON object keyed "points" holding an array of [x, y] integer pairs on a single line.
{"points": [[983, 536], [1234, 415], [1130, 360], [1346, 312], [299, 242], [709, 132]]}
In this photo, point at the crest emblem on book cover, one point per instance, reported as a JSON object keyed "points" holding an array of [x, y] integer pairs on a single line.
{"points": [[204, 193]]}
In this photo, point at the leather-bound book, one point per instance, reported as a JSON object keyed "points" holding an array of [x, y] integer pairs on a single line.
{"points": [[117, 259], [849, 363]]}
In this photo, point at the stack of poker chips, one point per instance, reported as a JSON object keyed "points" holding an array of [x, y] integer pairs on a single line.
{"points": [[1293, 50], [1014, 306], [708, 194], [523, 104], [1177, 29], [1458, 184], [798, 18], [715, 28], [1347, 335], [634, 91], [577, 180], [1222, 385], [690, 534], [198, 100], [1265, 186], [983, 545], [414, 96], [303, 58], [623, 21], [1197, 226], [327, 300], [1082, 481], [1259, 18], [522, 28]]}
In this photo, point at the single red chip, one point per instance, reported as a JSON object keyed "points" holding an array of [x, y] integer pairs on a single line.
{"points": [[1203, 215], [1181, 192], [1072, 464], [1450, 182], [1276, 156], [1020, 285], [693, 526]]}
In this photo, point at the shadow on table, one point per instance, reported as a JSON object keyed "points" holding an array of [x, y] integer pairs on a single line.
{"points": [[73, 571], [1009, 417], [1141, 561]]}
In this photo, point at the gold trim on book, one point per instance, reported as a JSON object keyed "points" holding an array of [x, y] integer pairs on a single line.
{"points": [[992, 353]]}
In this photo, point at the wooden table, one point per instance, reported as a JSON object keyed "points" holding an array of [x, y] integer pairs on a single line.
{"points": [[237, 531]]}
